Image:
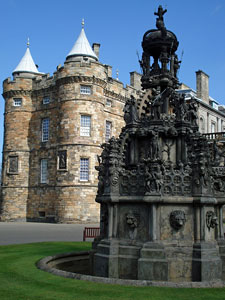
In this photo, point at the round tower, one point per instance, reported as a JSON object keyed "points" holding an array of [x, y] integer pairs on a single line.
{"points": [[15, 166], [80, 85]]}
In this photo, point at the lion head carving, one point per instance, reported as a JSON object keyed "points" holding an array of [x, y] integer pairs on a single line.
{"points": [[177, 219]]}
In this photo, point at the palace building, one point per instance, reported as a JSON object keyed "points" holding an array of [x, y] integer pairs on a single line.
{"points": [[53, 131], [54, 128]]}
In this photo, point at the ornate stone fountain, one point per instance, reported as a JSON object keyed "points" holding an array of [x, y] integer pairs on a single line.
{"points": [[161, 183]]}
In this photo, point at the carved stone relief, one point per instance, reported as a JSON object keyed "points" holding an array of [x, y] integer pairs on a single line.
{"points": [[177, 219], [132, 220], [62, 160], [218, 178], [13, 164], [211, 219], [154, 180], [104, 220]]}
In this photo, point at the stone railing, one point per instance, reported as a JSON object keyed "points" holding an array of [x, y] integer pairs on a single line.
{"points": [[218, 136]]}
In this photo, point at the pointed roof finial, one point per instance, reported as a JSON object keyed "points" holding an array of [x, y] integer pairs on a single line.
{"points": [[82, 46], [26, 64], [117, 74]]}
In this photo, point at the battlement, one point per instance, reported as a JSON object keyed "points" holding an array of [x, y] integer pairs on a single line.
{"points": [[18, 83]]}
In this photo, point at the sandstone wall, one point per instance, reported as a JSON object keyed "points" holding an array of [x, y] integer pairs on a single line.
{"points": [[64, 197]]}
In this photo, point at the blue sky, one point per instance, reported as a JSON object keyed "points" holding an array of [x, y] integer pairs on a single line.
{"points": [[54, 25]]}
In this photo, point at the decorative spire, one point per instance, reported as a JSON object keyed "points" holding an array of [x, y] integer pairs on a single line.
{"points": [[117, 74], [27, 65], [160, 21], [82, 46]]}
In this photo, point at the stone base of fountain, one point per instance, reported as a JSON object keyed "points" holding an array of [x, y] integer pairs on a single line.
{"points": [[78, 265]]}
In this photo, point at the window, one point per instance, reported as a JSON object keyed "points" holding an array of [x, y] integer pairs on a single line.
{"points": [[44, 170], [85, 126], [85, 90], [84, 169], [202, 125], [41, 214], [17, 101], [108, 102], [213, 127], [62, 160], [45, 130], [108, 130], [46, 100]]}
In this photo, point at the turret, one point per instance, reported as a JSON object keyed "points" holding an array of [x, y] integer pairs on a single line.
{"points": [[82, 49], [26, 67], [16, 150]]}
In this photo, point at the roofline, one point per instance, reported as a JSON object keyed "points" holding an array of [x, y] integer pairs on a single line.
{"points": [[30, 72], [80, 54], [207, 106]]}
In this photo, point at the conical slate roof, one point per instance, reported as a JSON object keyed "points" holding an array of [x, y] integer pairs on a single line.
{"points": [[27, 63], [82, 46]]}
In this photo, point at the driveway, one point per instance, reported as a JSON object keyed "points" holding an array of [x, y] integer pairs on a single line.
{"points": [[29, 232]]}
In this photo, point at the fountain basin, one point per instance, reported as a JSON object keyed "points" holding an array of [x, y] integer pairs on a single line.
{"points": [[78, 265]]}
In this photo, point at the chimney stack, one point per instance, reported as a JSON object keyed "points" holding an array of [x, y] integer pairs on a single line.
{"points": [[95, 48], [202, 86], [135, 80]]}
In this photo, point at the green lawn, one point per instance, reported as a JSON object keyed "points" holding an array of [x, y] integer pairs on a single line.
{"points": [[21, 280]]}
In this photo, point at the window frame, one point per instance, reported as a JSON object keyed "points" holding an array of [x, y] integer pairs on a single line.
{"points": [[108, 130], [213, 124], [107, 102], [45, 130], [85, 131], [202, 124], [17, 99], [84, 169], [44, 100], [44, 175], [85, 89]]}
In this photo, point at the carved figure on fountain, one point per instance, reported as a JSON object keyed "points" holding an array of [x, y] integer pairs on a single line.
{"points": [[130, 112]]}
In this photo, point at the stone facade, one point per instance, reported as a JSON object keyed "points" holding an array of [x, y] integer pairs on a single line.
{"points": [[63, 197], [211, 116]]}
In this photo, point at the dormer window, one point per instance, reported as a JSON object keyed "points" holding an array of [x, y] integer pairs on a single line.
{"points": [[17, 101], [46, 100], [85, 90]]}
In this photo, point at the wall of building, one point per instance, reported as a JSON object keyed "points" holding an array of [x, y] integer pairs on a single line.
{"points": [[211, 119], [63, 197]]}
